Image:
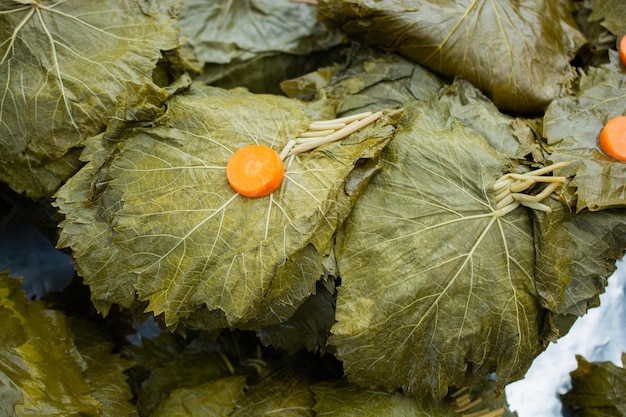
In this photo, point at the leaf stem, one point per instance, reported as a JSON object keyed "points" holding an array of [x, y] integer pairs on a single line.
{"points": [[509, 189], [329, 131]]}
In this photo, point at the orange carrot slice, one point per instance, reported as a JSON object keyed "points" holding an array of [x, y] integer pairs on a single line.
{"points": [[613, 138], [255, 171], [622, 49]]}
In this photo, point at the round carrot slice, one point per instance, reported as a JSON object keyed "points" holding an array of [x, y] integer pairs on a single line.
{"points": [[622, 49], [255, 171], [613, 138]]}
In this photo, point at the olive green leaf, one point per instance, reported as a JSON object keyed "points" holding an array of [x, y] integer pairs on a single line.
{"points": [[599, 39], [370, 79], [611, 14], [55, 386], [227, 376], [43, 371], [86, 202], [571, 128], [281, 391], [308, 328], [367, 81], [255, 43], [576, 254], [518, 52], [264, 74], [235, 31], [166, 367], [431, 277], [173, 228], [463, 103], [62, 66], [435, 279], [215, 399], [598, 389], [105, 371], [339, 399], [87, 230]]}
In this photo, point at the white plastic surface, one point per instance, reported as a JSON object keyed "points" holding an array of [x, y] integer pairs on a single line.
{"points": [[598, 336]]}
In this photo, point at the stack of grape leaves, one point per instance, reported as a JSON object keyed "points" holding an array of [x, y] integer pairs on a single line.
{"points": [[62, 69], [430, 272], [460, 240], [186, 242]]}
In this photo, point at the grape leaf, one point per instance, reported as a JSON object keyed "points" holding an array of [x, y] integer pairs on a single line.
{"points": [[167, 363], [189, 370], [200, 376], [105, 371], [434, 280], [518, 52], [370, 79], [77, 375], [308, 328], [282, 391], [572, 125], [215, 398], [611, 14], [431, 278], [62, 66], [236, 31], [87, 228], [339, 398], [576, 254], [54, 386], [598, 389], [170, 217], [254, 44], [367, 81]]}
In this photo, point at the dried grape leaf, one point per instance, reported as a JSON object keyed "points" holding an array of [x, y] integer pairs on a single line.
{"points": [[87, 230], [44, 372], [255, 43], [264, 74], [518, 52], [431, 274], [195, 380], [169, 216], [190, 368], [367, 80], [215, 399], [599, 39], [370, 79], [55, 386], [463, 103], [283, 391], [236, 31], [434, 280], [62, 66], [230, 375], [309, 327], [572, 125], [171, 366], [576, 254], [87, 205], [105, 371], [339, 398], [611, 14], [598, 389]]}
